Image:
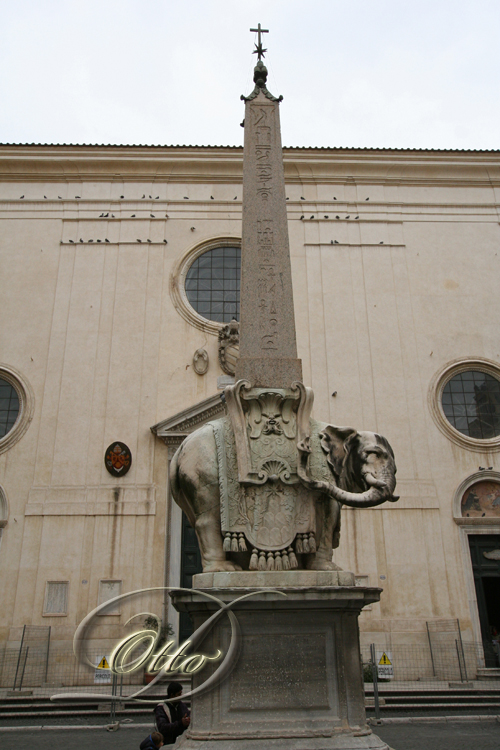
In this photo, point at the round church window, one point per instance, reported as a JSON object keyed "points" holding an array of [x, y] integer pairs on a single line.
{"points": [[471, 404], [9, 407], [213, 284]]}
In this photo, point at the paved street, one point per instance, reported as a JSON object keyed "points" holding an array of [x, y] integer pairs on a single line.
{"points": [[444, 736], [461, 736]]}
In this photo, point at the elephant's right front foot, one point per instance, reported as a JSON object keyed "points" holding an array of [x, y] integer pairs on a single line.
{"points": [[219, 566], [320, 563]]}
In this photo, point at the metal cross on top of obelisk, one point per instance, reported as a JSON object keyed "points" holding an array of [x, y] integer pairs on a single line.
{"points": [[258, 47], [268, 349]]}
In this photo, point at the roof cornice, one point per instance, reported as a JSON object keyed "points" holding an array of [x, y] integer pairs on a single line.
{"points": [[68, 163]]}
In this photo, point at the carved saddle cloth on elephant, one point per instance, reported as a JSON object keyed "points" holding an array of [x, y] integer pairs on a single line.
{"points": [[273, 509]]}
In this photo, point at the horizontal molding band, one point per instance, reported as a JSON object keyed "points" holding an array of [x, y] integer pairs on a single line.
{"points": [[140, 508]]}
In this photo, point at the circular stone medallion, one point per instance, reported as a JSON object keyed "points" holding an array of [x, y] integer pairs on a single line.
{"points": [[118, 459]]}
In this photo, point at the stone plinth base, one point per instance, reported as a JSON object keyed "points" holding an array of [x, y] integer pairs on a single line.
{"points": [[297, 683], [306, 742]]}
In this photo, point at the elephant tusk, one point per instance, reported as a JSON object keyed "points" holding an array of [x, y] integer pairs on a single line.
{"points": [[373, 481], [367, 499]]}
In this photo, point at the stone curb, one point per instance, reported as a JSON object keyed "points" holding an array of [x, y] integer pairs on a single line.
{"points": [[371, 722], [70, 727], [433, 720]]}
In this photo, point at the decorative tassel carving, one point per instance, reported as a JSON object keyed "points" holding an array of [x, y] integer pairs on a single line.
{"points": [[305, 544], [270, 561], [312, 542], [293, 560], [254, 560], [227, 542], [285, 561], [241, 542], [278, 565], [262, 561], [234, 542], [298, 544]]}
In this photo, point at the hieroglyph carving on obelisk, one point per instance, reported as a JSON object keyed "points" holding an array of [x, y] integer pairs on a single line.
{"points": [[268, 349]]}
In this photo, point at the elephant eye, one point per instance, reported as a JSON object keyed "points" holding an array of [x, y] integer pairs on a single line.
{"points": [[375, 452]]}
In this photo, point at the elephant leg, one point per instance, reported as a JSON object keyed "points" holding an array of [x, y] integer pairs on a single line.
{"points": [[327, 519], [195, 486], [213, 557]]}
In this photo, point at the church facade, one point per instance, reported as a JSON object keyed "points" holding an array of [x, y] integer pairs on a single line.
{"points": [[120, 278]]}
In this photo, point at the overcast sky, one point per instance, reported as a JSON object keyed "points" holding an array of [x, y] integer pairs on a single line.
{"points": [[388, 73]]}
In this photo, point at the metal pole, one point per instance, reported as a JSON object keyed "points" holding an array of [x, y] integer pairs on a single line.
{"points": [[121, 686], [112, 715], [24, 667], [462, 649], [430, 647], [375, 681], [459, 664], [19, 657], [47, 659]]}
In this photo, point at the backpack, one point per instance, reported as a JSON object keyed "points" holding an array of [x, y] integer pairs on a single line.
{"points": [[167, 711]]}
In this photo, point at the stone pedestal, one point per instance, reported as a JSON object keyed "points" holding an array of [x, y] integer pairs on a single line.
{"points": [[298, 681]]}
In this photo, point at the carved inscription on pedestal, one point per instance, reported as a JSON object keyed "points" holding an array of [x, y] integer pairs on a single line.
{"points": [[282, 682]]}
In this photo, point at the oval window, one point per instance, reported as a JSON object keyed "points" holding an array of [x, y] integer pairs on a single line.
{"points": [[213, 284], [9, 407], [471, 404]]}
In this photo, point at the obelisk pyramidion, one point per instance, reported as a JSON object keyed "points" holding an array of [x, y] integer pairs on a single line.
{"points": [[268, 348]]}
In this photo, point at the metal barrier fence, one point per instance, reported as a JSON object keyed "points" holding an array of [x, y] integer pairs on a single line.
{"points": [[36, 638], [455, 661], [448, 678], [28, 667], [407, 679]]}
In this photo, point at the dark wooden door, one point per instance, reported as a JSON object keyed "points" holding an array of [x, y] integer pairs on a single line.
{"points": [[190, 565], [487, 582]]}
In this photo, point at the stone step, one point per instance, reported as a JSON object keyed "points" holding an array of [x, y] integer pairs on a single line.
{"points": [[91, 712], [488, 673], [442, 698], [435, 706]]}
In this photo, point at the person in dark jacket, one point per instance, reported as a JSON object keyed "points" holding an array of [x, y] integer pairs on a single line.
{"points": [[153, 742], [172, 717]]}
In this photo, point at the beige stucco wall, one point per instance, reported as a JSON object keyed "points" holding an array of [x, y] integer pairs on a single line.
{"points": [[94, 330]]}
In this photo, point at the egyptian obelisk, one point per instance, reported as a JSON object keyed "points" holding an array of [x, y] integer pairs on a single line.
{"points": [[268, 348]]}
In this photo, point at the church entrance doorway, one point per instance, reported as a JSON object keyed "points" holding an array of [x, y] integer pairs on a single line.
{"points": [[485, 558], [190, 566]]}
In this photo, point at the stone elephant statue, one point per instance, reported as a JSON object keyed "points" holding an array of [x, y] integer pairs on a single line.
{"points": [[362, 474]]}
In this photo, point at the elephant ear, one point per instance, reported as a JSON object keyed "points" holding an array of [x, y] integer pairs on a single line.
{"points": [[336, 441]]}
